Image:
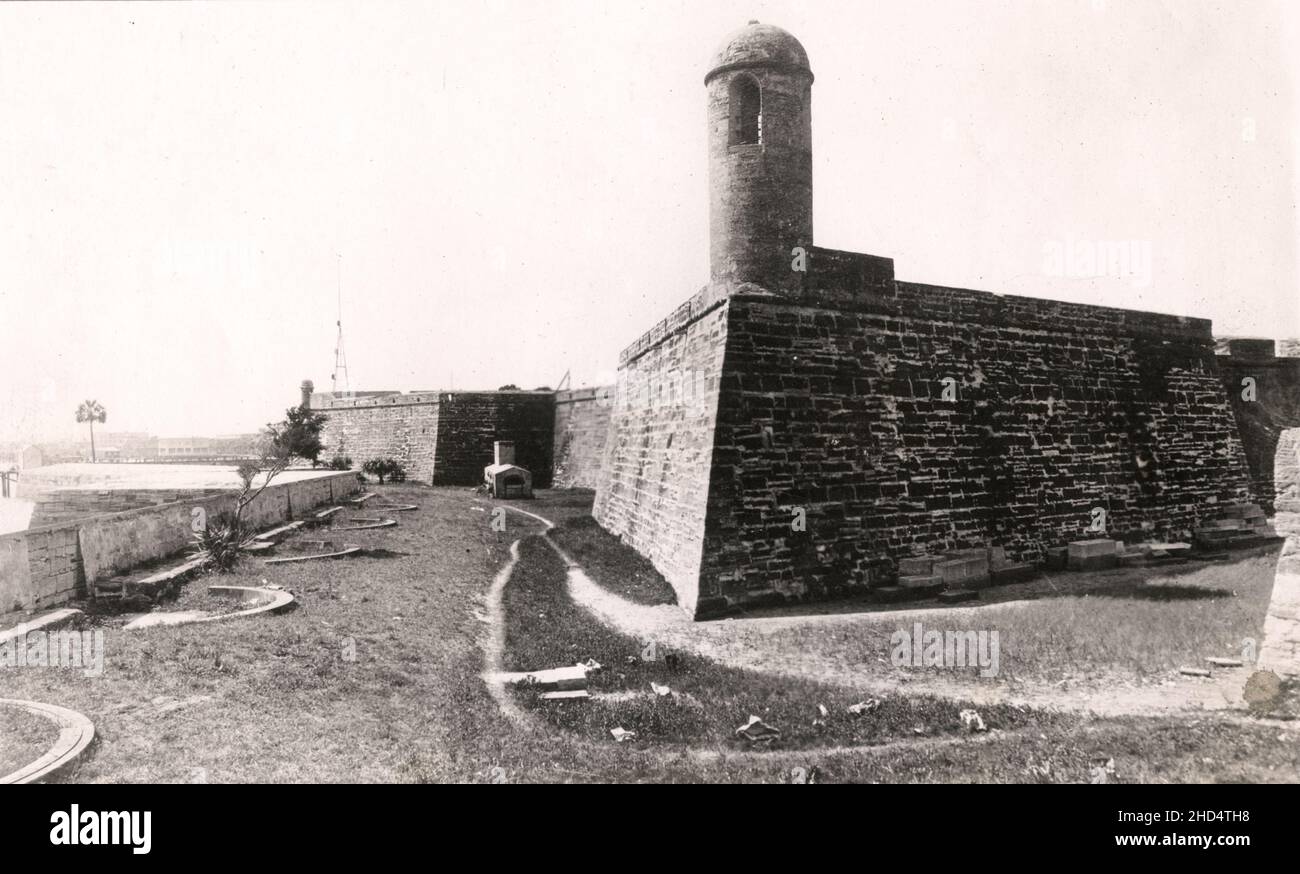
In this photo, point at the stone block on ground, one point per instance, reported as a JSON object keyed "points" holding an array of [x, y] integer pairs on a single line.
{"points": [[1012, 572], [970, 572], [916, 565], [893, 594], [555, 679], [1093, 554], [955, 596], [1223, 538], [1243, 511], [920, 581]]}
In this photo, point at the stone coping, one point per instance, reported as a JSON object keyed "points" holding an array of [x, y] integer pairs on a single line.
{"points": [[266, 601], [76, 733], [935, 302], [53, 619], [417, 399]]}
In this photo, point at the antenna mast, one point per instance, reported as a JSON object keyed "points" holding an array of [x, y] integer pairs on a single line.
{"points": [[340, 356]]}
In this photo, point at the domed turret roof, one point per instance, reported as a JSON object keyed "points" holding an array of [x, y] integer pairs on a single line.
{"points": [[759, 45]]}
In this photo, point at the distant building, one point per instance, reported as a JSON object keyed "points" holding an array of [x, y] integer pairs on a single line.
{"points": [[184, 447]]}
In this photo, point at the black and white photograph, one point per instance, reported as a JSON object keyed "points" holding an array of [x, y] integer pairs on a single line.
{"points": [[738, 391]]}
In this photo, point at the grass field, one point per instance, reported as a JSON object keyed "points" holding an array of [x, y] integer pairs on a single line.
{"points": [[707, 701], [1131, 626], [24, 738], [376, 676]]}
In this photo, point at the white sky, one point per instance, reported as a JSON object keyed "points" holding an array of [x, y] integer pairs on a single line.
{"points": [[520, 188]]}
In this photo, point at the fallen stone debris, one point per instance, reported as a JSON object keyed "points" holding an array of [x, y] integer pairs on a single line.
{"points": [[756, 730], [1224, 663], [972, 720]]}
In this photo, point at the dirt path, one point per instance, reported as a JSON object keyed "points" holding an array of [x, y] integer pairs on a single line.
{"points": [[494, 641]]}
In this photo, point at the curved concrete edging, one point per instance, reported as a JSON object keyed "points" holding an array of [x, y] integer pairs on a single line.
{"points": [[76, 733], [344, 553], [53, 619], [277, 601], [368, 526]]}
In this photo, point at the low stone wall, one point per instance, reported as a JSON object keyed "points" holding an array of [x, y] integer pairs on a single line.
{"points": [[47, 566], [63, 505]]}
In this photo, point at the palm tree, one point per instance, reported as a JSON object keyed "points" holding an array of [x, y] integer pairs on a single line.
{"points": [[92, 412]]}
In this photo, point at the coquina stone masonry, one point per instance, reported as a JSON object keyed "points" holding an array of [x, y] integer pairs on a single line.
{"points": [[442, 438], [1264, 389], [654, 484], [581, 425], [893, 419]]}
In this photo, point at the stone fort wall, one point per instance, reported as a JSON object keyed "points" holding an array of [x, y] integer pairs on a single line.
{"points": [[1262, 380], [653, 487], [442, 438], [832, 405], [581, 425], [404, 427]]}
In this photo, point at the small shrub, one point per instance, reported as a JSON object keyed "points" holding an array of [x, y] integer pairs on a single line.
{"points": [[385, 467], [340, 462], [221, 541]]}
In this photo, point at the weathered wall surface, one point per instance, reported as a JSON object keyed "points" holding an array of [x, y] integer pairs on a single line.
{"points": [[581, 426], [61, 505], [443, 438], [15, 574], [404, 427], [1265, 393], [653, 487], [469, 423], [47, 566], [829, 408], [39, 568], [1286, 471], [1058, 409]]}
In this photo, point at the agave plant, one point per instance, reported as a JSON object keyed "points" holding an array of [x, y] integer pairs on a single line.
{"points": [[221, 541]]}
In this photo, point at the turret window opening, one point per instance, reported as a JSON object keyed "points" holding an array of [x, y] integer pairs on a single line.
{"points": [[746, 104]]}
